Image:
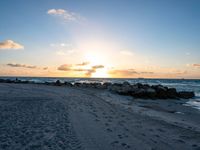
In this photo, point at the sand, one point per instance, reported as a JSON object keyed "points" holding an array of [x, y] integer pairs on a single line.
{"points": [[57, 118]]}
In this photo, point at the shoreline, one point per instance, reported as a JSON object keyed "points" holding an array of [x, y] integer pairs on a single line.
{"points": [[137, 90], [61, 117]]}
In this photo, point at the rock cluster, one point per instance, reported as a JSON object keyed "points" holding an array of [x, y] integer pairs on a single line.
{"points": [[136, 90], [149, 92]]}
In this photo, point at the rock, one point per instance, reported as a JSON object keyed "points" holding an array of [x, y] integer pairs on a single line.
{"points": [[139, 92], [144, 93], [96, 85], [151, 93], [77, 84], [116, 87], [58, 83], [126, 83], [9, 81], [107, 84], [186, 95], [172, 93], [68, 84], [161, 91], [2, 80], [139, 85]]}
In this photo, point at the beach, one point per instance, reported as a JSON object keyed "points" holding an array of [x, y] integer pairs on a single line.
{"points": [[38, 116]]}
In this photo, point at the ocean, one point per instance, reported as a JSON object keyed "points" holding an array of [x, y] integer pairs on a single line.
{"points": [[179, 84]]}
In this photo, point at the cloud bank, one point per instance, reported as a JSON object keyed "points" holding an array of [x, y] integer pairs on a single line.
{"points": [[88, 72], [21, 65], [9, 44], [83, 64], [66, 15], [196, 65]]}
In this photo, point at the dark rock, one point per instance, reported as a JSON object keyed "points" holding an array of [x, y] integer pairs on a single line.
{"points": [[161, 91], [139, 85], [172, 93], [107, 84], [126, 83], [8, 81], [77, 84], [151, 93], [68, 84], [139, 92], [116, 87], [144, 93], [186, 95], [58, 83], [2, 81]]}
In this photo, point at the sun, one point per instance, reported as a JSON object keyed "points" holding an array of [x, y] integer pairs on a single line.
{"points": [[95, 58], [100, 73]]}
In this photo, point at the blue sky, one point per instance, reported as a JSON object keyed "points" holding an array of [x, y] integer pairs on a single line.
{"points": [[159, 33]]}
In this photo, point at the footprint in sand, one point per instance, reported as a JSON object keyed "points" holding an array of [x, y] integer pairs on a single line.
{"points": [[97, 120], [161, 130], [109, 130], [125, 145], [120, 136], [106, 124]]}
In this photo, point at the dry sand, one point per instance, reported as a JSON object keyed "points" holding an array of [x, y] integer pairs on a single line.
{"points": [[57, 118]]}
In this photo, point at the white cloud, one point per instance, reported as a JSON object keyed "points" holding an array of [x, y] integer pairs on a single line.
{"points": [[66, 15], [9, 44], [56, 11], [21, 65], [127, 53]]}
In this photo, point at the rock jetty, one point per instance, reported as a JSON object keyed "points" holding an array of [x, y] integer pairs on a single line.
{"points": [[138, 90]]}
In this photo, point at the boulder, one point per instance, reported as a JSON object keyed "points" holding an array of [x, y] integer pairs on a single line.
{"points": [[126, 83], [68, 84], [161, 91], [77, 84], [139, 92], [58, 83], [186, 95], [116, 87], [107, 84], [150, 93], [172, 93], [2, 81]]}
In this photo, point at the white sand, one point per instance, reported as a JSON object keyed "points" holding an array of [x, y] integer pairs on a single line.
{"points": [[50, 117]]}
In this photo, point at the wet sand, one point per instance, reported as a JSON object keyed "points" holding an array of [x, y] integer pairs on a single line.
{"points": [[51, 117]]}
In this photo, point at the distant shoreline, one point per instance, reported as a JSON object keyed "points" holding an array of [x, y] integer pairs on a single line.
{"points": [[101, 78]]}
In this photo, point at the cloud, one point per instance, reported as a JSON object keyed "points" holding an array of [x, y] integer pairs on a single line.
{"points": [[45, 68], [146, 72], [65, 67], [127, 53], [123, 73], [83, 64], [9, 44], [97, 67], [66, 15], [56, 11], [196, 65], [88, 72], [21, 65]]}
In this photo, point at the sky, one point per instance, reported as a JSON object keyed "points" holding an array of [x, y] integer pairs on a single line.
{"points": [[115, 38]]}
